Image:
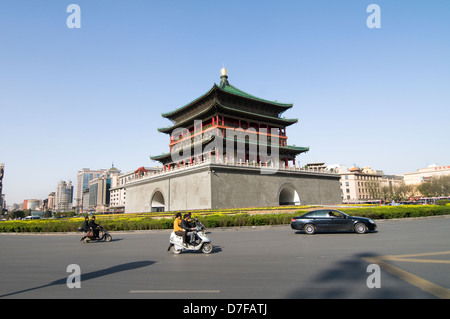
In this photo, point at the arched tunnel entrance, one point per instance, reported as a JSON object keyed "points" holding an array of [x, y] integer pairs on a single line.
{"points": [[288, 196], [157, 202]]}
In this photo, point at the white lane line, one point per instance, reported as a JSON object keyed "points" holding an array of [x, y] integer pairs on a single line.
{"points": [[174, 291]]}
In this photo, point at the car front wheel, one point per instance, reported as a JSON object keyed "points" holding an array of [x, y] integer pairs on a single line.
{"points": [[309, 229], [360, 228]]}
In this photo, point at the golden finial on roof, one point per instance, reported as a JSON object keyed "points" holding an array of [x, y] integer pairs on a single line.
{"points": [[223, 72], [223, 77]]}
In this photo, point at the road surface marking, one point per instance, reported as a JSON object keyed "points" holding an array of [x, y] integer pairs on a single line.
{"points": [[414, 280], [174, 291]]}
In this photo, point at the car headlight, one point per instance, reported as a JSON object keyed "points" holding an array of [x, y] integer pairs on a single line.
{"points": [[371, 221]]}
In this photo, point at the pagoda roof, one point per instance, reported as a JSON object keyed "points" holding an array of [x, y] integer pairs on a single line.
{"points": [[285, 149], [226, 87], [220, 107], [166, 155]]}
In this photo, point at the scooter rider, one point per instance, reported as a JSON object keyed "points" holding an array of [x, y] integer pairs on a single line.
{"points": [[177, 227], [192, 222], [85, 226], [94, 226], [186, 225]]}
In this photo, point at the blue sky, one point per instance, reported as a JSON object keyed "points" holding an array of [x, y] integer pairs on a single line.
{"points": [[84, 98]]}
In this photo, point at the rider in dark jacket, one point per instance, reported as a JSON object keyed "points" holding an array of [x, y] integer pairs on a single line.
{"points": [[186, 225], [85, 226], [94, 226]]}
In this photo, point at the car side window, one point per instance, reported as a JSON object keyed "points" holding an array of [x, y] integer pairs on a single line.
{"points": [[321, 213], [334, 214], [338, 215]]}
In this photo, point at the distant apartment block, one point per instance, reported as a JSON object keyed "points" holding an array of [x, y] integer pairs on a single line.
{"points": [[83, 178], [99, 190], [64, 196], [32, 204], [360, 184], [51, 201], [119, 191], [2, 198]]}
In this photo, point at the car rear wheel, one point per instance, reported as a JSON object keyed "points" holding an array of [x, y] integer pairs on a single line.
{"points": [[309, 229], [360, 228]]}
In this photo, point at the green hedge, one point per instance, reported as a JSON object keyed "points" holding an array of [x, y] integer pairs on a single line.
{"points": [[147, 222], [402, 211]]}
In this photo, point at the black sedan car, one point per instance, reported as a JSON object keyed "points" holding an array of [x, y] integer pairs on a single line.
{"points": [[331, 220]]}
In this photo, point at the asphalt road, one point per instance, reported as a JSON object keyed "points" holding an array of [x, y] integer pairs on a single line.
{"points": [[263, 262]]}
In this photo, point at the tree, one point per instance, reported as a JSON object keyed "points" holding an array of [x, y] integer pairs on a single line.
{"points": [[398, 193], [435, 187], [17, 214]]}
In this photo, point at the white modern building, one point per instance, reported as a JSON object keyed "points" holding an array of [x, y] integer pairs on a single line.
{"points": [[64, 196]]}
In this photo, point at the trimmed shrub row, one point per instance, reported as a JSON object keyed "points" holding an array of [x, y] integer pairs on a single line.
{"points": [[402, 211], [145, 222]]}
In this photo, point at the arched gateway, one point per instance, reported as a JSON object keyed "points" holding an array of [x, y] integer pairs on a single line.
{"points": [[288, 195], [157, 202]]}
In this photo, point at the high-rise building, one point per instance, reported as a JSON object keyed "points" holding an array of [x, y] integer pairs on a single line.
{"points": [[32, 204], [99, 194], [2, 171], [51, 201], [64, 196], [83, 178]]}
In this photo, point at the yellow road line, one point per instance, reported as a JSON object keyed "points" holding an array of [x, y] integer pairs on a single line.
{"points": [[415, 260], [414, 280], [418, 255]]}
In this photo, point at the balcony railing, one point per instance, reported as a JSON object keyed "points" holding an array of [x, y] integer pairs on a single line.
{"points": [[212, 160]]}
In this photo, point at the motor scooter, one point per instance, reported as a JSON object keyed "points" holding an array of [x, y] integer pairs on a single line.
{"points": [[201, 242], [90, 235]]}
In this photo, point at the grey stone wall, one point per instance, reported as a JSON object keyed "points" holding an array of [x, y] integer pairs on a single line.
{"points": [[224, 186], [247, 187], [189, 189]]}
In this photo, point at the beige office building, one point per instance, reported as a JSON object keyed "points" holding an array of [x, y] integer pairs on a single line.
{"points": [[360, 184], [424, 174]]}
